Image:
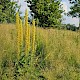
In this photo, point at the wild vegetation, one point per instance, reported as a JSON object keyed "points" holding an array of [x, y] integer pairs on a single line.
{"points": [[8, 11], [75, 9], [30, 52], [57, 55]]}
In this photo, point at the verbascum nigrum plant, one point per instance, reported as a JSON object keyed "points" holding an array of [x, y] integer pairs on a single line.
{"points": [[26, 33], [17, 21], [33, 36], [29, 36], [18, 33], [21, 34]]}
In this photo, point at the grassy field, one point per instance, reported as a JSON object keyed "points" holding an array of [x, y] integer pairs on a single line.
{"points": [[60, 48]]}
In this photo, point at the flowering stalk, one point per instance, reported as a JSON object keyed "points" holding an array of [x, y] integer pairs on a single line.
{"points": [[26, 32], [21, 34], [29, 36], [33, 37], [18, 34]]}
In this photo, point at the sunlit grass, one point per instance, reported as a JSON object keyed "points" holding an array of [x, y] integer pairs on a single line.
{"points": [[61, 49], [7, 39]]}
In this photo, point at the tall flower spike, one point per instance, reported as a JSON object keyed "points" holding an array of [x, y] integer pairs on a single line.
{"points": [[26, 32], [33, 37], [21, 34], [17, 21], [18, 34], [29, 36]]}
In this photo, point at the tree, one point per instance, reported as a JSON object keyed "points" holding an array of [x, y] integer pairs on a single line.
{"points": [[7, 11], [71, 27], [46, 12], [75, 9]]}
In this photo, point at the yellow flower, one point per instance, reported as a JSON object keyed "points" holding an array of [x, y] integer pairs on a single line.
{"points": [[29, 36], [26, 32], [18, 34], [21, 33], [33, 37]]}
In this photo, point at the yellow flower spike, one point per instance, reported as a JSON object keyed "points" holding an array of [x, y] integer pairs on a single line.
{"points": [[21, 34], [18, 34], [29, 36], [26, 18], [26, 32], [33, 37], [17, 21]]}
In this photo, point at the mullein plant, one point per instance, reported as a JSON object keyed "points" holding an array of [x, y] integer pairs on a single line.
{"points": [[28, 59], [27, 34], [21, 34], [33, 36], [18, 34]]}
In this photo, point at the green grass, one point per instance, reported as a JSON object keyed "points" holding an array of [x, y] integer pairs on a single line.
{"points": [[58, 54]]}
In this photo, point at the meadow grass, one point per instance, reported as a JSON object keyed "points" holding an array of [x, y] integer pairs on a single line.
{"points": [[57, 51]]}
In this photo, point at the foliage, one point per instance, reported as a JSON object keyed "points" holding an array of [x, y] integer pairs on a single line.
{"points": [[7, 11], [75, 9], [46, 12], [71, 27]]}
